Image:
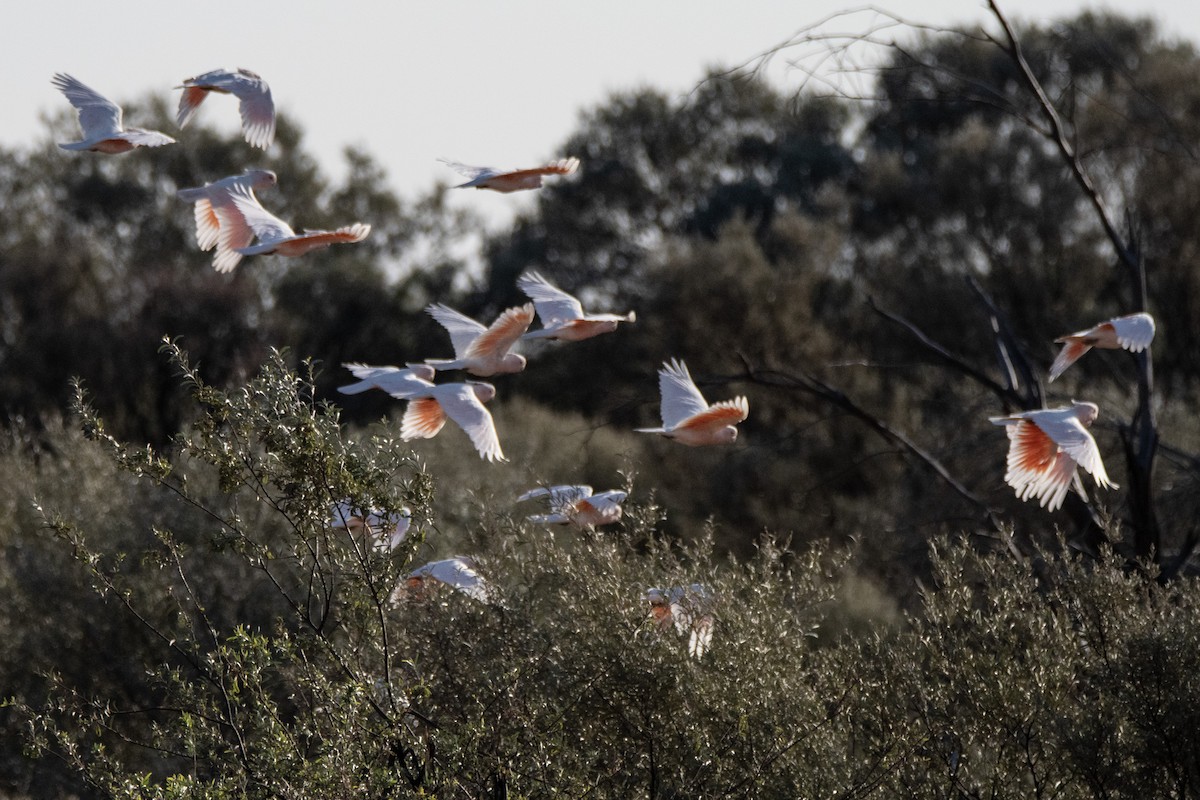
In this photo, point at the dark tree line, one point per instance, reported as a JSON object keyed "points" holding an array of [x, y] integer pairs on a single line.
{"points": [[980, 202], [1007, 187]]}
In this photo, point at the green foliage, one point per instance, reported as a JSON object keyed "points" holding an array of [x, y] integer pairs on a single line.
{"points": [[265, 616], [269, 655]]}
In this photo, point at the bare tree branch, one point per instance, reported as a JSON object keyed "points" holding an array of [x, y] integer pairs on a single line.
{"points": [[1058, 135], [1010, 354], [799, 381], [1140, 436], [1007, 394]]}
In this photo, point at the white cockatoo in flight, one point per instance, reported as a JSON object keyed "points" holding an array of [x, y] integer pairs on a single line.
{"points": [[1046, 446], [219, 195], [100, 121], [562, 314], [478, 350], [429, 405], [688, 608], [254, 101], [512, 180], [246, 217], [687, 417], [397, 381], [462, 402], [388, 530], [460, 572], [1133, 332], [577, 505]]}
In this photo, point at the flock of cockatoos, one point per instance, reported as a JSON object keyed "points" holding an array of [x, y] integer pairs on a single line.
{"points": [[1046, 446]]}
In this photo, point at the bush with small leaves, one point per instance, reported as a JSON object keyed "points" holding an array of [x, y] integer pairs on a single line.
{"points": [[253, 649]]}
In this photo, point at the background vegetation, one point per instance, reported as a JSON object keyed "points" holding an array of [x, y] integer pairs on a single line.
{"points": [[889, 619]]}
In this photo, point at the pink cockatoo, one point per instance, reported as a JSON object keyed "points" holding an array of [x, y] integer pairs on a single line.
{"points": [[396, 381], [254, 101], [100, 121], [562, 314], [1133, 332], [577, 505], [219, 195], [513, 180], [460, 572], [687, 417], [478, 350], [247, 216], [688, 608], [387, 530], [1046, 446], [429, 407]]}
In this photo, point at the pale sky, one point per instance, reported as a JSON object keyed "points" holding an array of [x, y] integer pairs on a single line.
{"points": [[489, 83]]}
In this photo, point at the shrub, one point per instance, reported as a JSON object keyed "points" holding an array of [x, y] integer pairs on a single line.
{"points": [[249, 649]]}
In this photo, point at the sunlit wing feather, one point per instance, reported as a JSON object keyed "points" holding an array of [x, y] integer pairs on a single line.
{"points": [[265, 225], [564, 166], [462, 405], [681, 399], [189, 101], [1134, 332], [399, 383], [99, 117], [144, 138], [502, 334], [423, 418], [468, 171], [255, 106], [558, 495], [1036, 466], [700, 636], [1069, 434], [462, 329], [607, 501], [553, 304], [726, 412], [208, 227], [460, 573], [345, 235], [1072, 351]]}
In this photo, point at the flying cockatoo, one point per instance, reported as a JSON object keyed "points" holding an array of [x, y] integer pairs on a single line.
{"points": [[687, 417], [254, 101], [247, 216], [100, 121], [460, 572], [219, 195], [395, 381], [562, 315], [1045, 446], [478, 350], [430, 405], [577, 505], [388, 530], [688, 608], [510, 180], [1133, 333], [461, 402]]}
